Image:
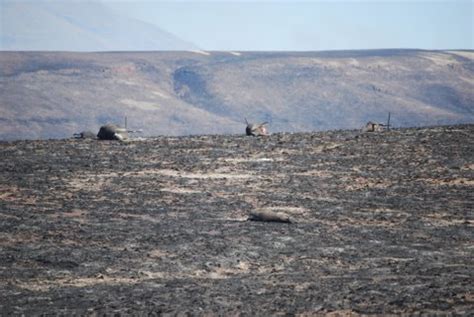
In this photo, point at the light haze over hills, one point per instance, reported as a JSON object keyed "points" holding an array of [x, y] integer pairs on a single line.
{"points": [[78, 26], [312, 25], [309, 25]]}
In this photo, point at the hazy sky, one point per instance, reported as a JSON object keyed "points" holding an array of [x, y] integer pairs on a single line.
{"points": [[310, 25]]}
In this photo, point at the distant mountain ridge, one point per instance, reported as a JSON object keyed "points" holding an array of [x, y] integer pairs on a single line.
{"points": [[53, 95], [78, 26]]}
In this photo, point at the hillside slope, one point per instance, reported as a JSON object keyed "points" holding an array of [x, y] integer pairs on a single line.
{"points": [[78, 26], [52, 95]]}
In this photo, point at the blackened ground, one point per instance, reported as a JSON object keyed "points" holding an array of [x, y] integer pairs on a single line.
{"points": [[383, 223]]}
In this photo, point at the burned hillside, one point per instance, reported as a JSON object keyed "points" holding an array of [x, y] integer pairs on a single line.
{"points": [[380, 223]]}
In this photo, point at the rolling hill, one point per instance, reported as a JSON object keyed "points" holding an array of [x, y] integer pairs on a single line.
{"points": [[78, 26], [54, 94]]}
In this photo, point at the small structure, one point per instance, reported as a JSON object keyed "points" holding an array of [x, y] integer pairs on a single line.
{"points": [[112, 132], [377, 127], [85, 135], [373, 127], [258, 129]]}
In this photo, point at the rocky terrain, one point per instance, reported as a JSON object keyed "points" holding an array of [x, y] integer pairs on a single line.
{"points": [[55, 94], [382, 223]]}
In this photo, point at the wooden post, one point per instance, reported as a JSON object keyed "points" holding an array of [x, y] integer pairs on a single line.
{"points": [[388, 122]]}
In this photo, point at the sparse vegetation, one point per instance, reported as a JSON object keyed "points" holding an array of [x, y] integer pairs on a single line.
{"points": [[53, 95]]}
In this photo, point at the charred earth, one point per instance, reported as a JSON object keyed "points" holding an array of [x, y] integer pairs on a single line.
{"points": [[380, 223]]}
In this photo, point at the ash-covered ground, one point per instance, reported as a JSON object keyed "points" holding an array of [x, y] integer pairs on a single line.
{"points": [[382, 223]]}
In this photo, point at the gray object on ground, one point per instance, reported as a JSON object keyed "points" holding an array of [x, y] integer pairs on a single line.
{"points": [[85, 135], [269, 216], [112, 132]]}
